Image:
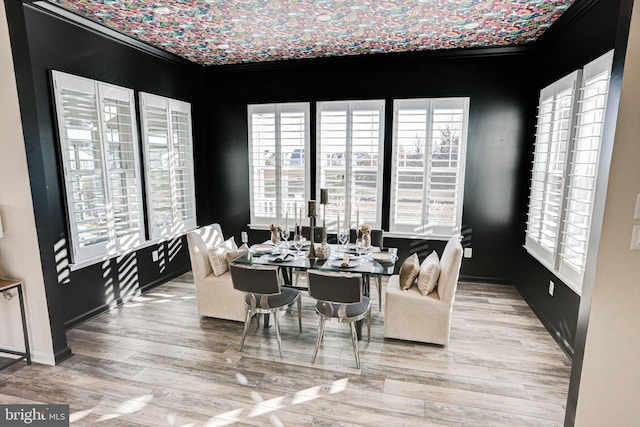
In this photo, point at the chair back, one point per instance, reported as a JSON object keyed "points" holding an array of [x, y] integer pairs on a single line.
{"points": [[377, 237], [199, 242], [317, 233], [255, 279], [450, 270], [342, 288]]}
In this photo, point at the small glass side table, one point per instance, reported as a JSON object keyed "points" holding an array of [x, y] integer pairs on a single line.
{"points": [[5, 286]]}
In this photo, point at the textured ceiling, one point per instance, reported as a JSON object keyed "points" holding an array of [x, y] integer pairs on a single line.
{"points": [[214, 32]]}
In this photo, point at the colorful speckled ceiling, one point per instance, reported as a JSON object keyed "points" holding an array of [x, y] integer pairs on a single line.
{"points": [[213, 32]]}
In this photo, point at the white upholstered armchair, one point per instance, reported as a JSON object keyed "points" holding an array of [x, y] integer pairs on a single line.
{"points": [[215, 295], [411, 316]]}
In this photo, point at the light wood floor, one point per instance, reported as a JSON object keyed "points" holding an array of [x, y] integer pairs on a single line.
{"points": [[155, 362]]}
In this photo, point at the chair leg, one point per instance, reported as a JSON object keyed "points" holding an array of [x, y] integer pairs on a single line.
{"points": [[318, 339], [277, 322], [369, 326], [379, 285], [300, 313], [354, 340], [247, 320]]}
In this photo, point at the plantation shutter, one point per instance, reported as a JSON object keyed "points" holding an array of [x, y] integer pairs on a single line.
{"points": [[278, 143], [100, 156], [168, 149], [584, 165], [349, 150], [554, 132], [428, 166]]}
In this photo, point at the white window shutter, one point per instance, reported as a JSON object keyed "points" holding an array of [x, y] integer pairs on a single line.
{"points": [[583, 170], [567, 151], [278, 161], [168, 150], [429, 147], [554, 132], [349, 157], [101, 163]]}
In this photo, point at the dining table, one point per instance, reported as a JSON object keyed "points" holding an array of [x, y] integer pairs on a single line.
{"points": [[371, 262]]}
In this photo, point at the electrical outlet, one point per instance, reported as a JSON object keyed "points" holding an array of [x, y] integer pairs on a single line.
{"points": [[552, 287], [154, 256], [468, 252]]}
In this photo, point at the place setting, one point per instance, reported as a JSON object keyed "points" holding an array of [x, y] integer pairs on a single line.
{"points": [[347, 261]]}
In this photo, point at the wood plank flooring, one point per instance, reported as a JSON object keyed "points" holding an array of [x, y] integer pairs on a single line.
{"points": [[155, 362]]}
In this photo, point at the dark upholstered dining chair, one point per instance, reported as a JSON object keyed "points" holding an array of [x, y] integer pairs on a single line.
{"points": [[377, 237], [340, 300], [264, 295]]}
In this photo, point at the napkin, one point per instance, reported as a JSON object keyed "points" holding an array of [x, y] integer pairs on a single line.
{"points": [[282, 257], [345, 261]]}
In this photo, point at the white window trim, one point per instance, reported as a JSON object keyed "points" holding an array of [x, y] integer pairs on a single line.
{"points": [[175, 228], [277, 109], [348, 107], [112, 247], [431, 232]]}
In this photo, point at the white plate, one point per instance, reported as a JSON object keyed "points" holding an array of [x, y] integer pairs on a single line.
{"points": [[262, 249], [338, 263], [383, 256]]}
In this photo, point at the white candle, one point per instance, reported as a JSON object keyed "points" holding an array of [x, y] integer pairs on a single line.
{"points": [[338, 225], [286, 221], [357, 218]]}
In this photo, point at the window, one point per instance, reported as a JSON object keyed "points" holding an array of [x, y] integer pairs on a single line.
{"points": [[429, 144], [278, 141], [553, 135], [349, 159], [168, 152], [567, 149], [100, 156]]}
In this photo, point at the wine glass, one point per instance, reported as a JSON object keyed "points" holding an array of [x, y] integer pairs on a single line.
{"points": [[298, 242], [284, 244], [360, 246], [343, 238]]}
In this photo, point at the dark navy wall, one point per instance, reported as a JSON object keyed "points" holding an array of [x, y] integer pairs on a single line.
{"points": [[501, 117]]}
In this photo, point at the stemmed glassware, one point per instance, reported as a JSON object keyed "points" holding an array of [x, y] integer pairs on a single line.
{"points": [[298, 242], [343, 238], [285, 239], [360, 246]]}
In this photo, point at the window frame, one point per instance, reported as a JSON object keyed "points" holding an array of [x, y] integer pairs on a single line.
{"points": [[348, 214], [176, 226], [430, 230], [541, 176], [555, 260], [114, 245], [277, 109]]}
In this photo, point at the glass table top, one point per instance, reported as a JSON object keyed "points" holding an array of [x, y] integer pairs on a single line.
{"points": [[261, 254]]}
